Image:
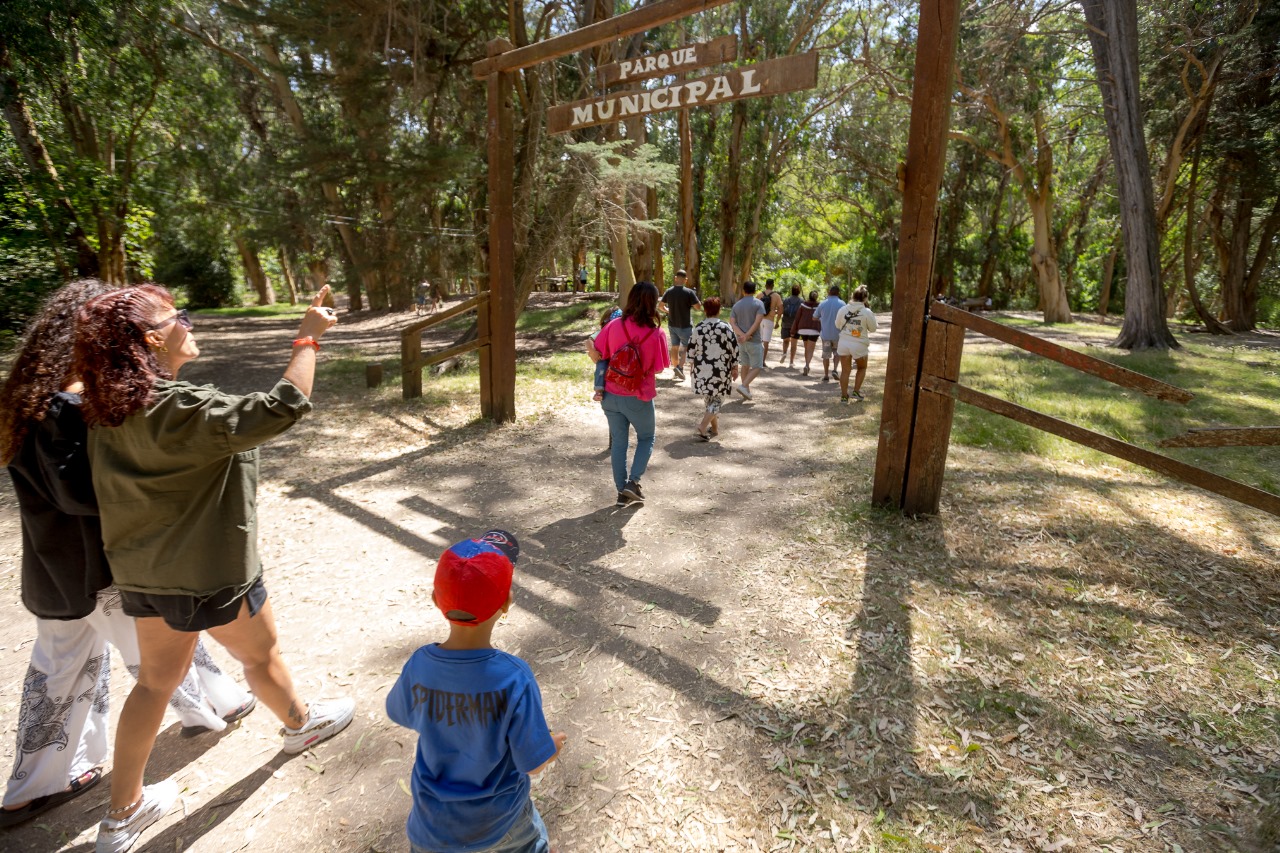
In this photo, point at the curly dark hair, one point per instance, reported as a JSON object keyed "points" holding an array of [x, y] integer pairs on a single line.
{"points": [[43, 365], [642, 304], [112, 359]]}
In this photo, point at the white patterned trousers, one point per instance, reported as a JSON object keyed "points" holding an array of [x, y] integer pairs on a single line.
{"points": [[63, 727]]}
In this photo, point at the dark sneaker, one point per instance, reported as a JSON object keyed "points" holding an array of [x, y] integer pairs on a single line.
{"points": [[844, 398], [632, 491], [857, 395], [826, 377], [623, 500], [679, 374]]}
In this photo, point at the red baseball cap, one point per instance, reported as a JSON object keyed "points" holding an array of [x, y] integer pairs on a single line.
{"points": [[473, 577]]}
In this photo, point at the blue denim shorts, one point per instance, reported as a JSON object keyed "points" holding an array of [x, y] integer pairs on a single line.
{"points": [[751, 354], [680, 336], [527, 835]]}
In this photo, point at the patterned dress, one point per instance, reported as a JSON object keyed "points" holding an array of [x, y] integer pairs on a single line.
{"points": [[713, 349]]}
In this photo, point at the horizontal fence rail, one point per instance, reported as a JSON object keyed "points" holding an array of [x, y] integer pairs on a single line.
{"points": [[1063, 355], [412, 361], [1189, 474]]}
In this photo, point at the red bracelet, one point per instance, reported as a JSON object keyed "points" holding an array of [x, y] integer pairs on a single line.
{"points": [[307, 341]]}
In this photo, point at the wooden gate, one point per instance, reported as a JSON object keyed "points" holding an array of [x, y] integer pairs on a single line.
{"points": [[775, 76], [927, 340]]}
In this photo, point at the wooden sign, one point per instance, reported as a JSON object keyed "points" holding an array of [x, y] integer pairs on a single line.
{"points": [[772, 77], [700, 55]]}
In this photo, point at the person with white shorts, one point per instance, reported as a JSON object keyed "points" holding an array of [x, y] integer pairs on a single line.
{"points": [[855, 322]]}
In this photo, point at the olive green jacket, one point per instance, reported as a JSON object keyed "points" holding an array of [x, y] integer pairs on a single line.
{"points": [[177, 486]]}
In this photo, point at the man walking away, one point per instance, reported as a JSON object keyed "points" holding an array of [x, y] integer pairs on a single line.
{"points": [[856, 323], [745, 318], [772, 311], [790, 308], [677, 303], [826, 313]]}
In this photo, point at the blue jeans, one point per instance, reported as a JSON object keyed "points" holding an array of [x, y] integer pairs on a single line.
{"points": [[527, 835], [602, 367], [622, 412]]}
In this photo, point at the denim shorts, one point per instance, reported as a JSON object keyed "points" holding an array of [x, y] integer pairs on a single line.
{"points": [[828, 348], [527, 835], [751, 354], [680, 337]]}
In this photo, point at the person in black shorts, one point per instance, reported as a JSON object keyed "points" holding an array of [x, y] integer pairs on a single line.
{"points": [[790, 332], [677, 303]]}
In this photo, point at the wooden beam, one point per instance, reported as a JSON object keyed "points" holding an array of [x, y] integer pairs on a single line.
{"points": [[453, 352], [931, 435], [1063, 355], [410, 367], [1189, 474], [932, 86], [636, 21], [419, 326], [500, 383], [675, 61], [1225, 437], [771, 77]]}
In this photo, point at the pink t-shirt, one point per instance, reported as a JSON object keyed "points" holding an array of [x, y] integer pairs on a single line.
{"points": [[652, 344]]}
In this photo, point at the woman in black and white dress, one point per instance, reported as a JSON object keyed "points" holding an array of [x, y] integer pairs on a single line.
{"points": [[713, 351]]}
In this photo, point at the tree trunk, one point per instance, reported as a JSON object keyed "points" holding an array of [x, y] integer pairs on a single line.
{"points": [[253, 273], [992, 246], [1108, 274], [1044, 260], [688, 231], [1113, 35], [41, 167], [289, 280], [1189, 261], [729, 203]]}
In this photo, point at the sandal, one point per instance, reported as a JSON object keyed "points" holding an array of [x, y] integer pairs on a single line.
{"points": [[40, 805], [702, 436]]}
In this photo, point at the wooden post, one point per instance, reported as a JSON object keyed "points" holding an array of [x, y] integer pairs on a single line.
{"points": [[411, 366], [498, 360], [934, 80], [931, 435], [373, 375]]}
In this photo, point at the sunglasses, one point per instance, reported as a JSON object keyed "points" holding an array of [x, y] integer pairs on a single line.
{"points": [[183, 320]]}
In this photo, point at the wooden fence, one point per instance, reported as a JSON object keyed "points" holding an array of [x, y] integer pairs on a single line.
{"points": [[412, 361]]}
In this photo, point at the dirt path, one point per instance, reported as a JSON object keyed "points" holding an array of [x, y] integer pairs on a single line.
{"points": [[652, 631]]}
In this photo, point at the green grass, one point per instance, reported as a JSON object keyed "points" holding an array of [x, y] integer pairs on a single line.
{"points": [[1233, 386], [280, 309], [579, 317]]}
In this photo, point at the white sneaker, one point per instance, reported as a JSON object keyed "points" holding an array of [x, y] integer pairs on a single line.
{"points": [[117, 836], [324, 720], [746, 394]]}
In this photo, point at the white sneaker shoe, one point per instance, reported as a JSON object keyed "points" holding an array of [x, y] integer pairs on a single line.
{"points": [[117, 836], [742, 389], [324, 720]]}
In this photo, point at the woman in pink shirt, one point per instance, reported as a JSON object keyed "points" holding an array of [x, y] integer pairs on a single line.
{"points": [[637, 351]]}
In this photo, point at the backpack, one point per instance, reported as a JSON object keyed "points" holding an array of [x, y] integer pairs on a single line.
{"points": [[791, 307], [626, 366]]}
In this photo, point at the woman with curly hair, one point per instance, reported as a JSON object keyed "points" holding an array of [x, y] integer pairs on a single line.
{"points": [[66, 582], [175, 468]]}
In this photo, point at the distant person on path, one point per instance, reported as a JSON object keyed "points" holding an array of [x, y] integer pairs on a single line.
{"points": [[746, 316], [856, 322], [175, 469], [637, 351], [772, 303], [712, 351], [476, 749], [808, 327], [826, 313], [66, 582], [790, 308], [677, 303], [582, 278]]}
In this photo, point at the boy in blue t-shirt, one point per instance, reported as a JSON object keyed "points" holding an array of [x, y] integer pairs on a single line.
{"points": [[478, 715]]}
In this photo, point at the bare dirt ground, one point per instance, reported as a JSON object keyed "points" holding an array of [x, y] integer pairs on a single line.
{"points": [[1070, 656]]}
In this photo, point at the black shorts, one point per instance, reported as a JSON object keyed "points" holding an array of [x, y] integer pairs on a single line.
{"points": [[191, 613]]}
